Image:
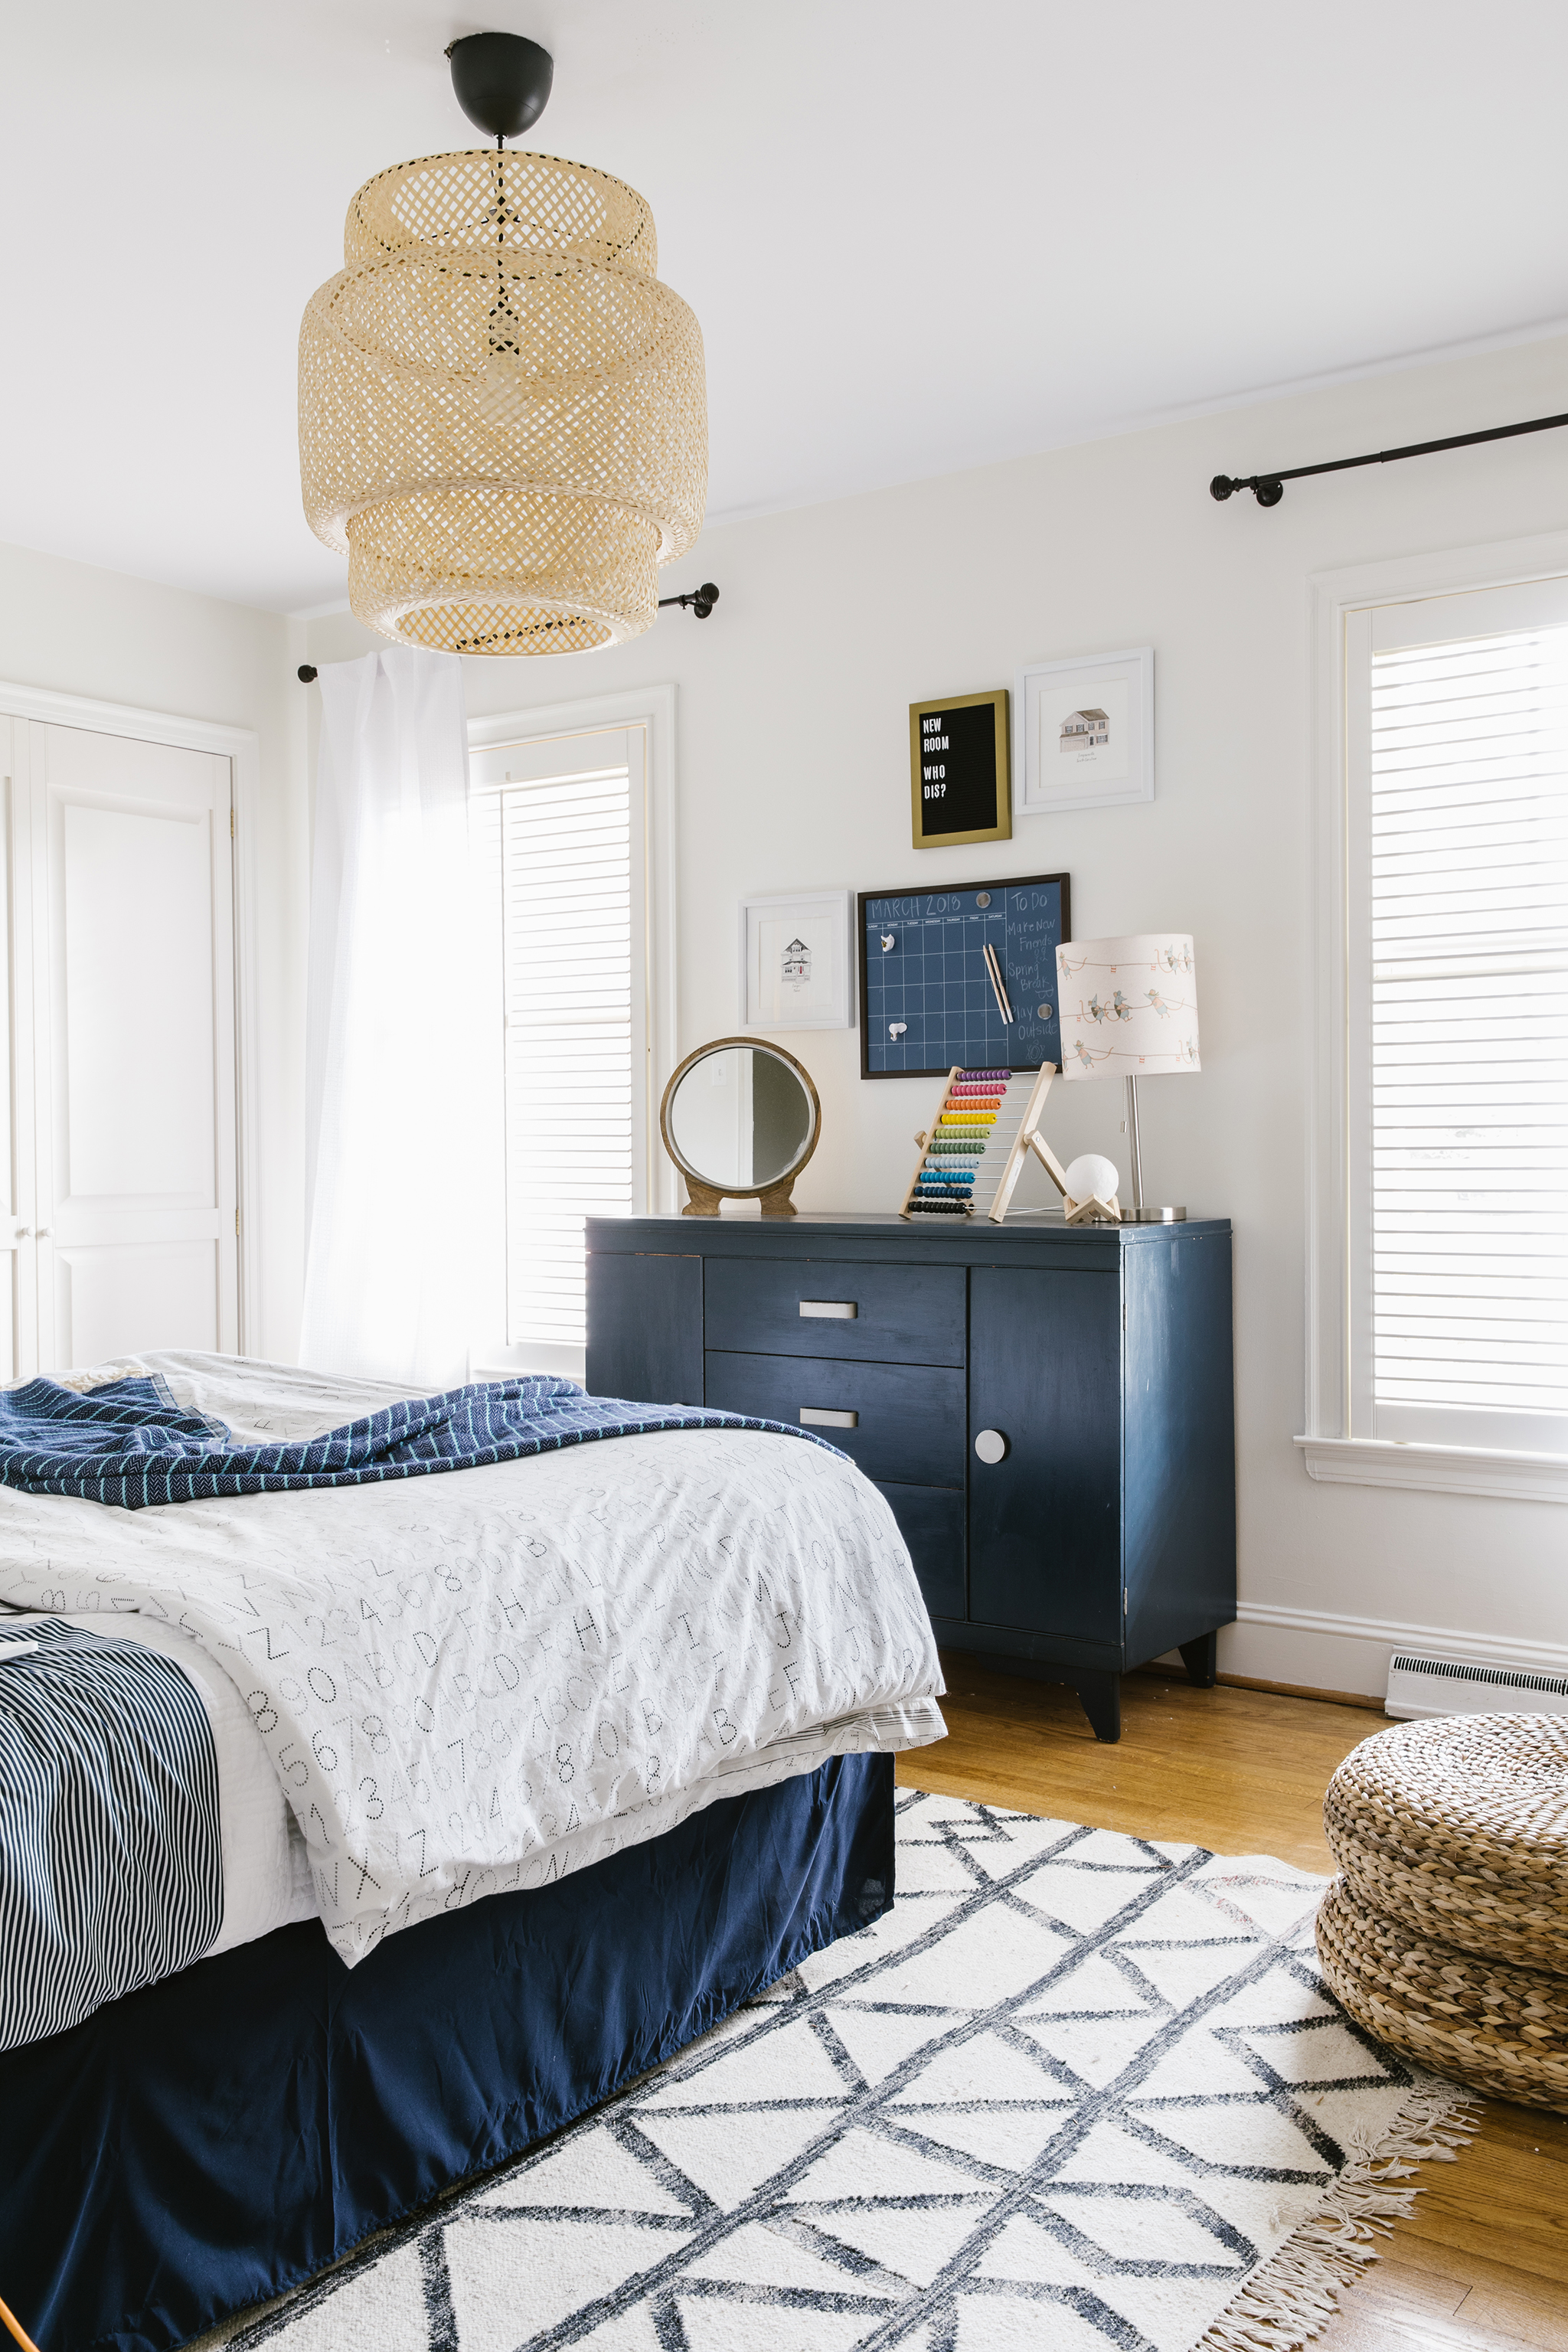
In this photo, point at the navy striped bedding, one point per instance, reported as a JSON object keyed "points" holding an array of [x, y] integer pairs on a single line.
{"points": [[129, 1443], [111, 1860]]}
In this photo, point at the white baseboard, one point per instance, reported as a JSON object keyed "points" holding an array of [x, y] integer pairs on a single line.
{"points": [[1318, 1650]]}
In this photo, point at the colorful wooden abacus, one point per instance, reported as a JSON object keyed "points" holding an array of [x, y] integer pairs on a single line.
{"points": [[954, 1148]]}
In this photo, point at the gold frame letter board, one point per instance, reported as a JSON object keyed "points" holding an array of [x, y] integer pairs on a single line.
{"points": [[960, 782]]}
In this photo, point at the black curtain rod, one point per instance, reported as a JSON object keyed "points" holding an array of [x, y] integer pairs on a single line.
{"points": [[1269, 488], [701, 601]]}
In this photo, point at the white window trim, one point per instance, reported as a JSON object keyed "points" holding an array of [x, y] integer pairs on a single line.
{"points": [[653, 708], [241, 747], [1330, 1451]]}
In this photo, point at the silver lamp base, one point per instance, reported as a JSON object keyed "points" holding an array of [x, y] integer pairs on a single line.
{"points": [[1137, 1214]]}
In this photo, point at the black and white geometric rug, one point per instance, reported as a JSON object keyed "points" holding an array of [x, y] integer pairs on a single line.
{"points": [[1078, 2091]]}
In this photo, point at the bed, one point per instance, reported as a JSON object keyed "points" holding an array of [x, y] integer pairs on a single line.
{"points": [[524, 1774]]}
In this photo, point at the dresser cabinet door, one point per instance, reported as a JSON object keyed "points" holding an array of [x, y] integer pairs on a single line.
{"points": [[645, 1327], [1045, 1521]]}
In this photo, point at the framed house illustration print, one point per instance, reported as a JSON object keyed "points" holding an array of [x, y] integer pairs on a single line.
{"points": [[796, 958], [1086, 733]]}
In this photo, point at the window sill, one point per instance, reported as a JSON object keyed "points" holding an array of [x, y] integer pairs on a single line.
{"points": [[1438, 1469]]}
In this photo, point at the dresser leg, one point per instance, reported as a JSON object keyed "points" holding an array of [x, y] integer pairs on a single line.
{"points": [[1201, 1659], [1100, 1697]]}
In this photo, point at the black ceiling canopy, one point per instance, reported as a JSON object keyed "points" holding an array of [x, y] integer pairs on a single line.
{"points": [[502, 81]]}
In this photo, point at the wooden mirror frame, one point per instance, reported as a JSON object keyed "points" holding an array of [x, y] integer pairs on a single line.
{"points": [[703, 1197]]}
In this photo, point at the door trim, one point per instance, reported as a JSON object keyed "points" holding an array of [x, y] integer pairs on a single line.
{"points": [[241, 747]]}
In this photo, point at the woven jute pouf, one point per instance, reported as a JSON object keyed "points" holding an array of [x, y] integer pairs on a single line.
{"points": [[1446, 1933]]}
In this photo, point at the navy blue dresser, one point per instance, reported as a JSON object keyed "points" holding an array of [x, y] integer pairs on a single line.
{"points": [[1047, 1408]]}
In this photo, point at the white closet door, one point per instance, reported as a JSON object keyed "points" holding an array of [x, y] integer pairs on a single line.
{"points": [[18, 1253], [133, 912]]}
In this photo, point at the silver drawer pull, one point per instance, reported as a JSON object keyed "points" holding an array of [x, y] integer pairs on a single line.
{"points": [[831, 1310], [992, 1445], [815, 1417]]}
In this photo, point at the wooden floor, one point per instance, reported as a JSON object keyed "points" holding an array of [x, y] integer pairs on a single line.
{"points": [[1483, 2260]]}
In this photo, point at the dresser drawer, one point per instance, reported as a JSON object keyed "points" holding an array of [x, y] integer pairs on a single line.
{"points": [[907, 1419], [877, 1314], [931, 1521]]}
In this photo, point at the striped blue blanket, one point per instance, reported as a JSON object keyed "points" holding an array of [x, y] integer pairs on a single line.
{"points": [[110, 1859], [129, 1443]]}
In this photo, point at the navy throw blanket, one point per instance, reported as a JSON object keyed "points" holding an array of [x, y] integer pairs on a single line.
{"points": [[129, 1443]]}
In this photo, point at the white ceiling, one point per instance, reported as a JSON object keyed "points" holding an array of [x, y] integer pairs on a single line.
{"points": [[918, 236]]}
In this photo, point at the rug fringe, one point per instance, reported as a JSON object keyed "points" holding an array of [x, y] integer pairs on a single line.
{"points": [[1293, 2297]]}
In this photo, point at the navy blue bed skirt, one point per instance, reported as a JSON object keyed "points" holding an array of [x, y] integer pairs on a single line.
{"points": [[214, 2139]]}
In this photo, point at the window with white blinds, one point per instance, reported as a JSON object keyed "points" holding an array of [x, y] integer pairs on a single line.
{"points": [[1458, 1126], [558, 833]]}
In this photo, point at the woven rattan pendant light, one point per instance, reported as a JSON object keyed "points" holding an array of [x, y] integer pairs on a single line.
{"points": [[502, 413]]}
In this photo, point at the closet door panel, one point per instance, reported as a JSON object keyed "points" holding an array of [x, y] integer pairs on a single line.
{"points": [[164, 1291], [135, 1020], [131, 860]]}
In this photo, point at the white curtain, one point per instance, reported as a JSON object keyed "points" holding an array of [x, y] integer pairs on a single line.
{"points": [[390, 1013]]}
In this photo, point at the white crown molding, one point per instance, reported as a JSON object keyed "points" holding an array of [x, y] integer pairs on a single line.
{"points": [[1429, 1641], [1436, 1469], [1087, 433]]}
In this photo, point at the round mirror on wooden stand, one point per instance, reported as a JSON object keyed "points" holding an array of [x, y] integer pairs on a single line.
{"points": [[740, 1120]]}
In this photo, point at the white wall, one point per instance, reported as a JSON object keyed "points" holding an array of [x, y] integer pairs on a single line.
{"points": [[74, 629], [793, 773]]}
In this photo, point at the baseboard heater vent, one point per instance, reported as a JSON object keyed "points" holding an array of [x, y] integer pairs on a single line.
{"points": [[1418, 1687]]}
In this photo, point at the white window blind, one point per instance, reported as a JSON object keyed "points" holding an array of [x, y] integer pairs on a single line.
{"points": [[1462, 1131], [566, 940], [558, 837]]}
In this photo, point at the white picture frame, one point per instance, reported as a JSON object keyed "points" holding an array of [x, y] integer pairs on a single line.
{"points": [[810, 931], [1084, 732]]}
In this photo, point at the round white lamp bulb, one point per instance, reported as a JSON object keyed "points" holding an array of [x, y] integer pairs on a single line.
{"points": [[1092, 1177]]}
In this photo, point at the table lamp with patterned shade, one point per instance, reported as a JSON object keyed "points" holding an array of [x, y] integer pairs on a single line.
{"points": [[1130, 1010]]}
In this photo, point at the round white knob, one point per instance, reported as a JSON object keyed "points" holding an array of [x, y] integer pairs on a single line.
{"points": [[23, 1231], [43, 1233], [991, 1445]]}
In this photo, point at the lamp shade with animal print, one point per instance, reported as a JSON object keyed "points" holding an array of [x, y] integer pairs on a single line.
{"points": [[1129, 1006]]}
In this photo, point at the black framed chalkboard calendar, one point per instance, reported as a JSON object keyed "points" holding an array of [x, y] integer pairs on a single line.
{"points": [[960, 774], [965, 976]]}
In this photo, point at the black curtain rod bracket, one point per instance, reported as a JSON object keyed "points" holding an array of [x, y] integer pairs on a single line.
{"points": [[701, 599], [1268, 488]]}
